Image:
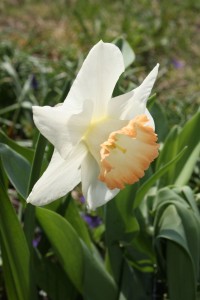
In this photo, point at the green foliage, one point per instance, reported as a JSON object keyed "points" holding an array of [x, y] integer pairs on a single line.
{"points": [[177, 139], [13, 163], [17, 262], [64, 241], [177, 240], [149, 233], [79, 262]]}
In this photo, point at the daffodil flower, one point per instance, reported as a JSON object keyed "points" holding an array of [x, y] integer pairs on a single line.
{"points": [[100, 141]]}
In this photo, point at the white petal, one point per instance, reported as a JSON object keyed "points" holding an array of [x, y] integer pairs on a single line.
{"points": [[131, 104], [95, 192], [59, 178], [97, 77], [62, 126], [150, 118]]}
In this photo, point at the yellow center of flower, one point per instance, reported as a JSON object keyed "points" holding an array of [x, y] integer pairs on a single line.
{"points": [[98, 132]]}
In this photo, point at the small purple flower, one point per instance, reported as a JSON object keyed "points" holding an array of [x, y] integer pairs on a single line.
{"points": [[178, 64], [36, 241], [82, 199], [92, 221], [37, 238]]}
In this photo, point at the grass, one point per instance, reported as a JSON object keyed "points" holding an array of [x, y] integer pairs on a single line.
{"points": [[46, 38]]}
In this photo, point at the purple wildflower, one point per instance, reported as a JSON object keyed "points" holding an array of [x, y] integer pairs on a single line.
{"points": [[178, 64], [92, 221], [36, 241]]}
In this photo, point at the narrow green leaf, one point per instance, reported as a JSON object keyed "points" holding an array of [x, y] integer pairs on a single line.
{"points": [[151, 181], [169, 149], [8, 67], [189, 136], [29, 218], [180, 173], [37, 162], [15, 253], [186, 171]]}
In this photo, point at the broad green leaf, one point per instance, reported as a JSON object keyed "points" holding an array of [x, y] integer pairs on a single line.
{"points": [[152, 180], [191, 224], [52, 279], [65, 243], [177, 223], [135, 290], [11, 288], [18, 274], [83, 269], [180, 276], [25, 152], [174, 258], [188, 195], [96, 279], [16, 167]]}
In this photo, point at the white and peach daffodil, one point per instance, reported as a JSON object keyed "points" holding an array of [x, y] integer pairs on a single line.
{"points": [[101, 141]]}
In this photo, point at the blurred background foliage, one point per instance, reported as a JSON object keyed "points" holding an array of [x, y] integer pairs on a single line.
{"points": [[41, 41], [156, 245]]}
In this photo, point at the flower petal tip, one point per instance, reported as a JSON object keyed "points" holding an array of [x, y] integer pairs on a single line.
{"points": [[28, 200], [155, 70], [36, 108]]}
